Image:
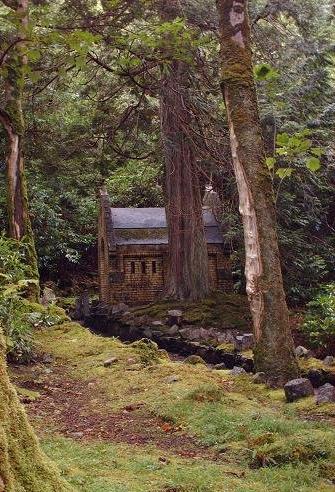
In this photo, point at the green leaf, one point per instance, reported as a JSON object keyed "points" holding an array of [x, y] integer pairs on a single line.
{"points": [[282, 139], [270, 162], [313, 164], [284, 172]]}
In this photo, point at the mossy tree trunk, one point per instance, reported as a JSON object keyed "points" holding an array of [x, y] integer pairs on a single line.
{"points": [[188, 258], [11, 116], [23, 465], [273, 352]]}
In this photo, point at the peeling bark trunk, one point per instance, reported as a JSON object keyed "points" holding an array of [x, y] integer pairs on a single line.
{"points": [[273, 352], [188, 257], [11, 116]]}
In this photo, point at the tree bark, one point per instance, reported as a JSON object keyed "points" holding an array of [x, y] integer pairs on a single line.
{"points": [[11, 116], [188, 257], [23, 465], [273, 352]]}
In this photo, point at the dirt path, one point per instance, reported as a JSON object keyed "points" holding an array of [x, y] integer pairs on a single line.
{"points": [[77, 409]]}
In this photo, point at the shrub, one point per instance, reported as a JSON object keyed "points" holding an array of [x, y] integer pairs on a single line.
{"points": [[18, 316], [319, 325]]}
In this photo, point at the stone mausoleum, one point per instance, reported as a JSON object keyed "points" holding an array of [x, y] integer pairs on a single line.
{"points": [[133, 253]]}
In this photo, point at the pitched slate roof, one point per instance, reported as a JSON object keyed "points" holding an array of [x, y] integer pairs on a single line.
{"points": [[149, 226]]}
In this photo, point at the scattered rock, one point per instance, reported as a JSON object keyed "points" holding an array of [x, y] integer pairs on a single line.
{"points": [[244, 342], [316, 377], [237, 371], [147, 333], [220, 367], [172, 379], [47, 359], [82, 309], [175, 317], [329, 360], [48, 297], [131, 360], [110, 362], [259, 378], [301, 351], [132, 407], [157, 323], [227, 336], [173, 330], [298, 388], [194, 359], [77, 434], [325, 394], [120, 308]]}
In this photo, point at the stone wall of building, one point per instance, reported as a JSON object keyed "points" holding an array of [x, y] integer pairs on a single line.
{"points": [[137, 273]]}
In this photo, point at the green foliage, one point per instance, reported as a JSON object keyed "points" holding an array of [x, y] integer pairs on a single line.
{"points": [[319, 324], [294, 148], [13, 281], [136, 185], [264, 71], [18, 316]]}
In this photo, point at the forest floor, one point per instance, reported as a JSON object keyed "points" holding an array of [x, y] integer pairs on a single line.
{"points": [[149, 422]]}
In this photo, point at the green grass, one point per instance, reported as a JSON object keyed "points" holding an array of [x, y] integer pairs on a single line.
{"points": [[250, 425], [100, 467]]}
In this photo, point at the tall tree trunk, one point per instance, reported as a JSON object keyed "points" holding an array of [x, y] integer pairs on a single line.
{"points": [[188, 257], [23, 465], [273, 352], [13, 121]]}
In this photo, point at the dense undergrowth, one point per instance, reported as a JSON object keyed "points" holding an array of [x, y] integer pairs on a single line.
{"points": [[260, 442]]}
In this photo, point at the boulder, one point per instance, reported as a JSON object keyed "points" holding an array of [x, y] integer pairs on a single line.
{"points": [[325, 394], [190, 333], [172, 379], [237, 371], [82, 309], [157, 323], [298, 388], [244, 342], [147, 332], [110, 362], [301, 351], [329, 360], [193, 360], [259, 378], [175, 317], [173, 330], [220, 367], [316, 376], [120, 308], [48, 297]]}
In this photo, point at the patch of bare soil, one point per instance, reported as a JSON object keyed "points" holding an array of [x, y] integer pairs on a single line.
{"points": [[79, 410]]}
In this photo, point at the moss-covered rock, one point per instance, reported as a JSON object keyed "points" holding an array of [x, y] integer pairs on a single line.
{"points": [[194, 359]]}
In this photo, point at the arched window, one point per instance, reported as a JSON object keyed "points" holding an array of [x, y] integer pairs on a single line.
{"points": [[143, 267], [132, 267]]}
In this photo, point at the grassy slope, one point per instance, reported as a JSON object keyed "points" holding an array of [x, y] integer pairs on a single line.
{"points": [[246, 424]]}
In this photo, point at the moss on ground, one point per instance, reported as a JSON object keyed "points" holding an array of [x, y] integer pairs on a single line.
{"points": [[262, 443], [220, 310], [101, 467]]}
